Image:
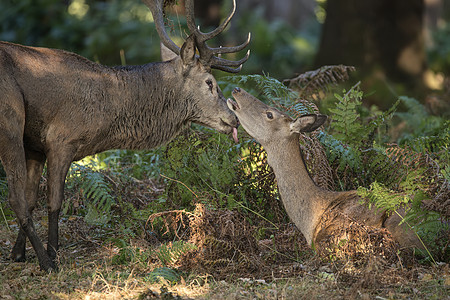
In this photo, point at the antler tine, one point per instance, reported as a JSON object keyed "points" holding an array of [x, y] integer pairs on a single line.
{"points": [[201, 36], [231, 63], [190, 17], [207, 54], [156, 8], [222, 50], [227, 69]]}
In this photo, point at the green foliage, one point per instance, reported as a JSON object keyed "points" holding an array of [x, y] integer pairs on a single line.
{"points": [[26, 22], [98, 30], [339, 153], [271, 91], [423, 132], [346, 123], [130, 255], [352, 143], [95, 189], [137, 164], [278, 49], [256, 187], [208, 167], [203, 165], [382, 197], [439, 53], [114, 32], [169, 254], [428, 225], [163, 274], [391, 176]]}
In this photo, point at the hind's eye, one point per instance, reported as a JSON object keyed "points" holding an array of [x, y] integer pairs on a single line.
{"points": [[210, 84], [269, 115]]}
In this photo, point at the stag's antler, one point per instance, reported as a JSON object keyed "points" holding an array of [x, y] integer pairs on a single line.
{"points": [[207, 54]]}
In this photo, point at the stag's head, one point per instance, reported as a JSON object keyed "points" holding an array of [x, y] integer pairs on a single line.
{"points": [[199, 85], [267, 124]]}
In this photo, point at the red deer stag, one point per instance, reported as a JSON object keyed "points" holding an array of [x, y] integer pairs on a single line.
{"points": [[58, 107], [305, 202]]}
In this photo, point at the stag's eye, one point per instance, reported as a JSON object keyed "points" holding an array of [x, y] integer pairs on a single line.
{"points": [[210, 84], [269, 115]]}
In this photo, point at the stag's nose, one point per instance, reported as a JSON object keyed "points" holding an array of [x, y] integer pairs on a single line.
{"points": [[237, 90]]}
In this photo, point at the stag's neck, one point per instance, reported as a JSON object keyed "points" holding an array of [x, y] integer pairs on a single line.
{"points": [[304, 201], [148, 108]]}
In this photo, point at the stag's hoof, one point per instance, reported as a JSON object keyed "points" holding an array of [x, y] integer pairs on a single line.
{"points": [[48, 265], [51, 253], [18, 257], [18, 254]]}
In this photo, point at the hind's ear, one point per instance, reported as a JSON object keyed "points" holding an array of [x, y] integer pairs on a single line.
{"points": [[307, 123], [187, 51], [166, 53]]}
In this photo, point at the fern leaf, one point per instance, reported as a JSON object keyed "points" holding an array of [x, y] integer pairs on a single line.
{"points": [[163, 273], [170, 254], [382, 197], [346, 124], [96, 189], [311, 83]]}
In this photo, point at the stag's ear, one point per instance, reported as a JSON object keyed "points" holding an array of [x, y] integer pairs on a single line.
{"points": [[166, 53], [307, 123], [187, 51]]}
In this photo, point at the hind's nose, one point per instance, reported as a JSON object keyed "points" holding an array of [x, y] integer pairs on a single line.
{"points": [[237, 90]]}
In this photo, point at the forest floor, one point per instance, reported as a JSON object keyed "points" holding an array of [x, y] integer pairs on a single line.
{"points": [[229, 263]]}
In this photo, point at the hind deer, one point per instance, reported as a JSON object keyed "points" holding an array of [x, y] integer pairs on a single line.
{"points": [[304, 201], [58, 107]]}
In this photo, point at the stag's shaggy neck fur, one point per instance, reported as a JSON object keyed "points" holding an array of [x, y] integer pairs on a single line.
{"points": [[158, 117]]}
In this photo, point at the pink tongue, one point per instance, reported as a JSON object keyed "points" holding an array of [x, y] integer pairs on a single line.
{"points": [[235, 135]]}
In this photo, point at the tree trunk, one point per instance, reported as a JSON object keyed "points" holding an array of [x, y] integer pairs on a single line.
{"points": [[375, 35]]}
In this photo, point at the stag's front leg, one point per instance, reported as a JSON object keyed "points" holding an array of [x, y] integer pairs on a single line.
{"points": [[12, 155], [57, 166], [35, 164]]}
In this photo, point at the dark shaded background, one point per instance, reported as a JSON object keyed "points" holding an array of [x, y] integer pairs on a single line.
{"points": [[399, 47]]}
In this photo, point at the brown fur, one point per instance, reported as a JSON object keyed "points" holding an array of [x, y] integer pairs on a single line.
{"points": [[57, 107], [318, 213]]}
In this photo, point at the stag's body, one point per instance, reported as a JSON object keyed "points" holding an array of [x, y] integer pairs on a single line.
{"points": [[307, 204], [58, 107], [66, 99]]}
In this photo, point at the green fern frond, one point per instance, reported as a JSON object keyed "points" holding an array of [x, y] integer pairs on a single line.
{"points": [[346, 123], [163, 273], [337, 151], [171, 253], [272, 91], [270, 87], [96, 189], [421, 124], [438, 143], [382, 197]]}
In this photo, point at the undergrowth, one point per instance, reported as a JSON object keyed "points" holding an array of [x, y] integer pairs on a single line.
{"points": [[356, 150], [411, 172]]}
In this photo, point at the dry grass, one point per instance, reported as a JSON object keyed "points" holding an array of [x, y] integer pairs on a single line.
{"points": [[229, 263]]}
